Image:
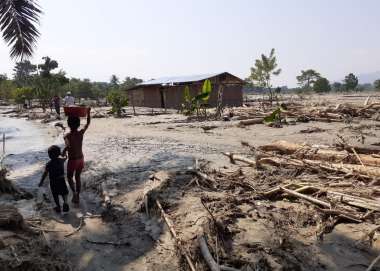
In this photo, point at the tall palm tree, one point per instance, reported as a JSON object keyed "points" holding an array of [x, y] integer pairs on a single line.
{"points": [[18, 20]]}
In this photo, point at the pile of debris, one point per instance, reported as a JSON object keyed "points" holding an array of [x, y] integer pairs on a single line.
{"points": [[275, 209], [25, 248], [297, 112]]}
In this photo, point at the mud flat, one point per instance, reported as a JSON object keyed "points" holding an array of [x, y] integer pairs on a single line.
{"points": [[131, 163]]}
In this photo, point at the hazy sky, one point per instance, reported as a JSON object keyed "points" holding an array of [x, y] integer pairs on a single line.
{"points": [[152, 38]]}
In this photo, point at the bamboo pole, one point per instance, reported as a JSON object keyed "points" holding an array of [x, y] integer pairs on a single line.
{"points": [[174, 234]]}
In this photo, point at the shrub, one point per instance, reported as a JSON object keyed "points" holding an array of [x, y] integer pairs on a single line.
{"points": [[117, 100]]}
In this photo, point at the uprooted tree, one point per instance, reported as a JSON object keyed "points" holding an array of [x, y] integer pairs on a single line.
{"points": [[263, 71]]}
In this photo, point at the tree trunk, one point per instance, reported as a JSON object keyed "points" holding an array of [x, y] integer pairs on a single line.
{"points": [[219, 106], [336, 167], [313, 153]]}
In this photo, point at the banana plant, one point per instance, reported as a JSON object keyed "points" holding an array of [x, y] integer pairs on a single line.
{"points": [[192, 104], [275, 116]]}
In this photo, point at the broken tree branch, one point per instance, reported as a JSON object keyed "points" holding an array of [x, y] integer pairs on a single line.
{"points": [[81, 224], [307, 198], [207, 255], [234, 157], [174, 234], [108, 243], [374, 262]]}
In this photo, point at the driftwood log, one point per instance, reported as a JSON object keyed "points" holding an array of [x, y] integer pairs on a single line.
{"points": [[355, 201], [251, 121], [368, 171], [313, 153]]}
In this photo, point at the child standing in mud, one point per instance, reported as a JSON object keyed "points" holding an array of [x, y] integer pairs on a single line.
{"points": [[73, 141], [56, 170]]}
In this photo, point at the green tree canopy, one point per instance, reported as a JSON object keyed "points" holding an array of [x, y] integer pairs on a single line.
{"points": [[336, 86], [322, 85], [82, 88], [6, 88], [3, 77], [265, 68], [22, 94], [114, 81], [307, 78], [130, 82], [23, 72], [351, 82], [46, 67], [376, 84]]}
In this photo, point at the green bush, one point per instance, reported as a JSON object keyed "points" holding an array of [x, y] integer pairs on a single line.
{"points": [[21, 94], [117, 100]]}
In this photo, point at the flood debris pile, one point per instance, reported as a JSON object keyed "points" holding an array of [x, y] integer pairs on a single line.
{"points": [[293, 112], [282, 206], [24, 248], [10, 189]]}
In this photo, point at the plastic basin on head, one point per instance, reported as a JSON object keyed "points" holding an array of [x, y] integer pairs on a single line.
{"points": [[75, 111]]}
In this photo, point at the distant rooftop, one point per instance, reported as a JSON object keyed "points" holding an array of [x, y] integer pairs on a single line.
{"points": [[182, 79], [179, 79]]}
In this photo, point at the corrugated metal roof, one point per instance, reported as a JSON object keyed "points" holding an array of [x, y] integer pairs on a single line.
{"points": [[178, 79]]}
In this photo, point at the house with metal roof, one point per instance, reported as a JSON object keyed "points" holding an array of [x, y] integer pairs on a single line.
{"points": [[167, 92]]}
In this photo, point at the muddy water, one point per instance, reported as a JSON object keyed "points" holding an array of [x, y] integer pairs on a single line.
{"points": [[26, 144], [21, 136]]}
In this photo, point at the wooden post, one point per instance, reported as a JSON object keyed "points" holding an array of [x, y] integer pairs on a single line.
{"points": [[133, 102], [219, 104]]}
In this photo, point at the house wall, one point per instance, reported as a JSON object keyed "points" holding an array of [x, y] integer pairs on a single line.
{"points": [[149, 96], [152, 97]]}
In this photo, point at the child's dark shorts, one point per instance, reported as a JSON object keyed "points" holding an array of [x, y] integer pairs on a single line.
{"points": [[58, 186]]}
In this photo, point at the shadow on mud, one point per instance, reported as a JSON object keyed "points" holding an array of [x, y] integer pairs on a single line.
{"points": [[124, 235]]}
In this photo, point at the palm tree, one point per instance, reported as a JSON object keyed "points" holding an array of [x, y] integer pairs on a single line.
{"points": [[18, 20]]}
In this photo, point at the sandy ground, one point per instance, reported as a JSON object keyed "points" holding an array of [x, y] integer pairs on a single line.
{"points": [[120, 156]]}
